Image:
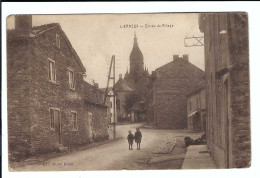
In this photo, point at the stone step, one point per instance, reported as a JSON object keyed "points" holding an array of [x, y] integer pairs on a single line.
{"points": [[63, 149]]}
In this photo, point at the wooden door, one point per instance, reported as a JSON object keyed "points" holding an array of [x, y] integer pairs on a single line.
{"points": [[57, 125], [90, 125], [227, 124]]}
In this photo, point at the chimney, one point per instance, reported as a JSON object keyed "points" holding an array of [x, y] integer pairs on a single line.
{"points": [[186, 57], [96, 85], [175, 57], [23, 24], [120, 76]]}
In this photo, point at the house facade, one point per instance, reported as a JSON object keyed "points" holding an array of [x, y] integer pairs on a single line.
{"points": [[227, 88], [171, 83], [196, 113], [98, 113], [46, 101]]}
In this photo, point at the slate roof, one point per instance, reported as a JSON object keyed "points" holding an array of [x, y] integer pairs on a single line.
{"points": [[179, 74], [104, 89], [196, 88], [93, 95], [38, 30], [41, 28]]}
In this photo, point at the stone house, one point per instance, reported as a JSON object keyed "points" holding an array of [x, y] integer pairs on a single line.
{"points": [[171, 83], [196, 104], [46, 104], [227, 88], [98, 114]]}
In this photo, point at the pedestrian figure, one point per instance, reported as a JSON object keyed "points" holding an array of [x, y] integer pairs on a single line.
{"points": [[130, 139], [138, 138]]}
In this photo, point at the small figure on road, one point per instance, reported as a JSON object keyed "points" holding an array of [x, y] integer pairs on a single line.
{"points": [[138, 138], [130, 139]]}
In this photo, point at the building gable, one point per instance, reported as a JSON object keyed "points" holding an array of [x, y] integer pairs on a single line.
{"points": [[50, 34], [178, 75]]}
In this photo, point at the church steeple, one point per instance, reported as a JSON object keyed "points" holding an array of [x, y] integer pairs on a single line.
{"points": [[136, 59], [135, 41], [137, 74]]}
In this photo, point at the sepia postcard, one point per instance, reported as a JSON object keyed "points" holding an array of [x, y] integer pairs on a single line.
{"points": [[148, 91]]}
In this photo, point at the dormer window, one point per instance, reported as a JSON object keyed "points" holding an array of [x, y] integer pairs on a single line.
{"points": [[71, 79], [57, 40]]}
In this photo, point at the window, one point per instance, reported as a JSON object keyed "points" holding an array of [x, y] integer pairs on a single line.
{"points": [[71, 79], [57, 40], [74, 120], [190, 105], [52, 71]]}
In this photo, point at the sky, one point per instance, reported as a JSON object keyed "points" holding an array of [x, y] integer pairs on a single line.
{"points": [[96, 37]]}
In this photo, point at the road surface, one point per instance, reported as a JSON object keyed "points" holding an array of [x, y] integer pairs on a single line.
{"points": [[115, 155]]}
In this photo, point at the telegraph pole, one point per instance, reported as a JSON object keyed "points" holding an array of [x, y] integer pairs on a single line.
{"points": [[114, 95], [112, 63]]}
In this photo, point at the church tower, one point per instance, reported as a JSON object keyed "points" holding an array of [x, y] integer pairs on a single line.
{"points": [[136, 62]]}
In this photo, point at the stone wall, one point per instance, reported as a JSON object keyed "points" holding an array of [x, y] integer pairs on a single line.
{"points": [[239, 55], [227, 88], [18, 97], [45, 94], [31, 95], [100, 121], [170, 87]]}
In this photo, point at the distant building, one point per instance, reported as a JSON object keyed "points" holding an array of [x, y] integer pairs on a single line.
{"points": [[47, 103], [133, 84], [110, 102], [196, 115], [123, 89], [227, 88], [171, 83]]}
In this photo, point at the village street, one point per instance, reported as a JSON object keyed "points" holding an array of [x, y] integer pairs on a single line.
{"points": [[158, 151]]}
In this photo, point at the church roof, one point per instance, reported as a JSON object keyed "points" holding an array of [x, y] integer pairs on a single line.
{"points": [[136, 55], [124, 85]]}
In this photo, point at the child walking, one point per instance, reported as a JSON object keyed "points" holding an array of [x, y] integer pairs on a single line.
{"points": [[130, 139]]}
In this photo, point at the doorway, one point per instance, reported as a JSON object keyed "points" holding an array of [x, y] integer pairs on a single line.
{"points": [[90, 126], [56, 123], [227, 123]]}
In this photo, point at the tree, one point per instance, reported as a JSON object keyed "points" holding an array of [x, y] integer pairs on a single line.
{"points": [[130, 100]]}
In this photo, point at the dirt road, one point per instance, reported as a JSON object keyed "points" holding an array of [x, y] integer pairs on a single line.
{"points": [[116, 156]]}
